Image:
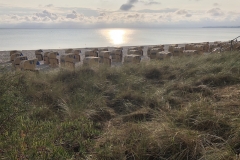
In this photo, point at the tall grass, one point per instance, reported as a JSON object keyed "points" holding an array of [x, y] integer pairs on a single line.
{"points": [[180, 108]]}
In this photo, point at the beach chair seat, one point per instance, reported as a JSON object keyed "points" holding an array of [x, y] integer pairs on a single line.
{"points": [[190, 52], [52, 55], [104, 54], [134, 59], [39, 55], [156, 46], [91, 53], [45, 58], [178, 50], [53, 62], [117, 52], [135, 52], [105, 61], [189, 46], [116, 58], [199, 48], [139, 49], [17, 61], [154, 51], [163, 55], [171, 47], [15, 55], [28, 64]]}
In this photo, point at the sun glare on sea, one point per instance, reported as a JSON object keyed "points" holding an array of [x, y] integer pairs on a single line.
{"points": [[117, 36]]}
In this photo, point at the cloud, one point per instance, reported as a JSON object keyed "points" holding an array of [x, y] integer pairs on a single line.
{"points": [[150, 2], [181, 12], [165, 10], [126, 7], [47, 15], [49, 5], [72, 15], [85, 11], [129, 5], [76, 18], [35, 18], [132, 1], [15, 17], [215, 12], [133, 16], [216, 4], [102, 14]]}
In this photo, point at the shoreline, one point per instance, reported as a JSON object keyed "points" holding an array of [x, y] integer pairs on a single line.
{"points": [[4, 55], [124, 46]]}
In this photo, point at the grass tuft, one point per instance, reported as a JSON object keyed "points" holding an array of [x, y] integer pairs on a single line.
{"points": [[153, 73]]}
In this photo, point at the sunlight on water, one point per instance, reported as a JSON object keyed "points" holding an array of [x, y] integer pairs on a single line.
{"points": [[117, 36], [27, 39]]}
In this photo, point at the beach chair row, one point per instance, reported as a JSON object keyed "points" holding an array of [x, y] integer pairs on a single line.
{"points": [[95, 56], [68, 60], [158, 52]]}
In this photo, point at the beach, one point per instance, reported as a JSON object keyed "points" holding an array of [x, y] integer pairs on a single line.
{"points": [[5, 56]]}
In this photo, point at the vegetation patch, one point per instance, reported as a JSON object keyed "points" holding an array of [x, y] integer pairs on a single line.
{"points": [[218, 80], [153, 73], [138, 116], [174, 109]]}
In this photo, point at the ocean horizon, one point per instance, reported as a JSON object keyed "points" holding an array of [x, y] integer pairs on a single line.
{"points": [[52, 38]]}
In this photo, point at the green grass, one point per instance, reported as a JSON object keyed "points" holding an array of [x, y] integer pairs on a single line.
{"points": [[175, 109]]}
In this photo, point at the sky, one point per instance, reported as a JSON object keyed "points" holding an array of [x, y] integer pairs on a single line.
{"points": [[118, 14]]}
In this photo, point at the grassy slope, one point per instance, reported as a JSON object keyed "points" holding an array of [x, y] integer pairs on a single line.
{"points": [[181, 108]]}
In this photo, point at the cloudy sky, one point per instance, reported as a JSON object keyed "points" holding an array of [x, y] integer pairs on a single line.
{"points": [[113, 13]]}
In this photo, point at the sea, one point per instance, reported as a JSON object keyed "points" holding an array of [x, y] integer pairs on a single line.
{"points": [[31, 39]]}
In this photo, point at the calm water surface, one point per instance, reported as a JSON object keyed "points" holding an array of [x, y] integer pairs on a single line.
{"points": [[28, 39]]}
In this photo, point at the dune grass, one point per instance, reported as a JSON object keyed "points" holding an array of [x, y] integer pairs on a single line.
{"points": [[175, 109]]}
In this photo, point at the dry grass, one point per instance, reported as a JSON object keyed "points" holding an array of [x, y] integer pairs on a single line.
{"points": [[175, 109]]}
